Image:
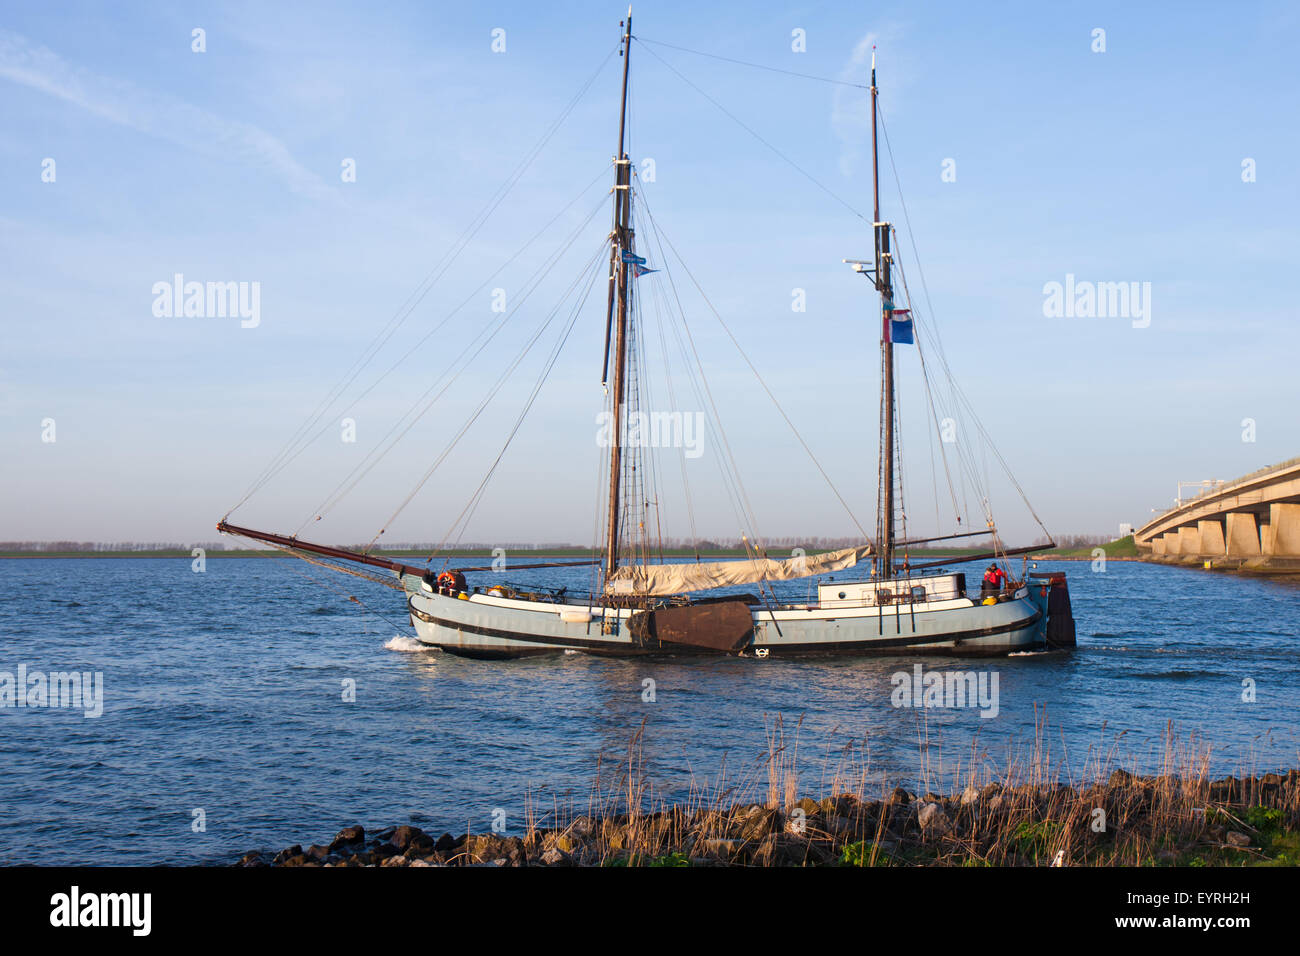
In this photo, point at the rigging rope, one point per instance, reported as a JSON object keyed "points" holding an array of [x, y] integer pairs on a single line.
{"points": [[799, 169], [500, 382], [313, 559], [744, 355], [467, 513], [958, 394], [757, 66], [484, 338], [404, 311]]}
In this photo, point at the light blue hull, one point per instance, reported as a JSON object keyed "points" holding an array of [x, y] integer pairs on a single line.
{"points": [[487, 626]]}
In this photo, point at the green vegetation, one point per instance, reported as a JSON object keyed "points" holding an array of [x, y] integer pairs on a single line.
{"points": [[1119, 548], [1033, 838]]}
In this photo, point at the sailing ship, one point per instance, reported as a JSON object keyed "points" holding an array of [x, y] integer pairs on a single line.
{"points": [[641, 605]]}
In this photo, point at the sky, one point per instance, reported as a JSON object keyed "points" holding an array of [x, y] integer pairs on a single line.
{"points": [[1029, 148]]}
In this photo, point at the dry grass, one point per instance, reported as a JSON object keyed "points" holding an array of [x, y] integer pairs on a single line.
{"points": [[1033, 808]]}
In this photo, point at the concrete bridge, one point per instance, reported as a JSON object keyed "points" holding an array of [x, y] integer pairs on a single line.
{"points": [[1251, 523]]}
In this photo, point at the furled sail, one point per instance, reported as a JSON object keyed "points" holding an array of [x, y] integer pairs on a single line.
{"points": [[680, 578]]}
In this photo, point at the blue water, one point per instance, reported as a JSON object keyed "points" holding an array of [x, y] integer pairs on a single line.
{"points": [[223, 691]]}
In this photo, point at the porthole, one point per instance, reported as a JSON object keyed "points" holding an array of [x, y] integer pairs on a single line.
{"points": [[842, 595]]}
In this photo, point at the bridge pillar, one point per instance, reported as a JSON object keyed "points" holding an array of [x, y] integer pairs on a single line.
{"points": [[1173, 543], [1284, 521], [1243, 534], [1158, 545], [1189, 540], [1211, 532]]}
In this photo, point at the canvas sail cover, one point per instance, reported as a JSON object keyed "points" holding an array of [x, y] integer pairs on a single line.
{"points": [[680, 578]]}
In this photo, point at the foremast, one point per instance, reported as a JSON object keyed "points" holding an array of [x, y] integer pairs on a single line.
{"points": [[616, 321], [885, 500]]}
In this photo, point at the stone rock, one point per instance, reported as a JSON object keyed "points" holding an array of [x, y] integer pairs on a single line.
{"points": [[808, 806], [969, 796], [491, 848], [556, 857], [347, 837], [396, 861], [383, 835], [840, 827], [516, 854], [786, 850], [718, 849], [383, 851], [900, 797], [846, 804], [361, 858], [758, 824], [615, 837], [446, 843], [1237, 838], [710, 822], [318, 852], [560, 841], [1226, 790], [287, 853], [300, 860], [1120, 778], [932, 819], [402, 836], [482, 848], [990, 789], [252, 858]]}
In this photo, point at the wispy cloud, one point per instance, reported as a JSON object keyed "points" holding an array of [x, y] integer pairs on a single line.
{"points": [[851, 108], [155, 114]]}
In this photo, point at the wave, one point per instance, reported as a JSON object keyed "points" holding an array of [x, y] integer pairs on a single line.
{"points": [[406, 645]]}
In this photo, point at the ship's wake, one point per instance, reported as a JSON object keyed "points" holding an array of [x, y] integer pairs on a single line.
{"points": [[406, 645]]}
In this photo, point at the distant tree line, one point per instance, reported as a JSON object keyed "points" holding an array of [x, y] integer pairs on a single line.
{"points": [[1069, 541], [42, 547]]}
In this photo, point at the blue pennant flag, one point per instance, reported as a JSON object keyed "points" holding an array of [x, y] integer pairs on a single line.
{"points": [[639, 270], [633, 258], [899, 330]]}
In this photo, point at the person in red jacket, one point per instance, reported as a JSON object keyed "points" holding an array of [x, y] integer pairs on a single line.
{"points": [[995, 579]]}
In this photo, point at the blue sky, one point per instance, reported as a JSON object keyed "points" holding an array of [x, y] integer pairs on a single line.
{"points": [[1115, 166]]}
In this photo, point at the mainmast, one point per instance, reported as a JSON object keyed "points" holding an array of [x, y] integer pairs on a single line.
{"points": [[885, 517], [620, 242]]}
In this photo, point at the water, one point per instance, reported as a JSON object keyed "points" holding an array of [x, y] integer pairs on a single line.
{"points": [[223, 692]]}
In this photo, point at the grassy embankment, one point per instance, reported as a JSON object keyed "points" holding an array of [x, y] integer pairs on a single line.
{"points": [[1119, 548]]}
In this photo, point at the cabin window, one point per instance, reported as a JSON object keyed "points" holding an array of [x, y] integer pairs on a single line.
{"points": [[884, 596], [841, 595], [918, 595]]}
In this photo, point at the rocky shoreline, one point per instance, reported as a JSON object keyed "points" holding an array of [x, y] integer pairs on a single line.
{"points": [[1126, 820]]}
